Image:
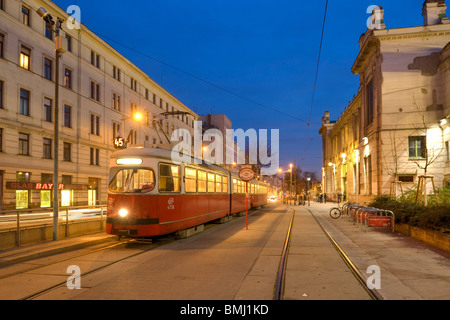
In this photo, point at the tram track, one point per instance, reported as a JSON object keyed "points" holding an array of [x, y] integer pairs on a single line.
{"points": [[94, 270], [71, 256], [373, 293], [281, 275]]}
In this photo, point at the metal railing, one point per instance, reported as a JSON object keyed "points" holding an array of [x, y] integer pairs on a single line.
{"points": [[22, 215]]}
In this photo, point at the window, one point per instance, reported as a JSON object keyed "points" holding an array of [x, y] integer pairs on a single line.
{"points": [[417, 147], [116, 73], [406, 178], [25, 16], [48, 68], [201, 181], [133, 84], [133, 181], [95, 157], [169, 178], [95, 59], [190, 180], [67, 78], [69, 43], [116, 130], [25, 56], [219, 183], [48, 109], [2, 44], [47, 149], [211, 181], [24, 144], [447, 150], [1, 94], [1, 139], [24, 102], [116, 101], [48, 31], [67, 116], [95, 124], [67, 151], [95, 91], [370, 102], [224, 184]]}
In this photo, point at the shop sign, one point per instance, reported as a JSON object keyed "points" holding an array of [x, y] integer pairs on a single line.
{"points": [[42, 186]]}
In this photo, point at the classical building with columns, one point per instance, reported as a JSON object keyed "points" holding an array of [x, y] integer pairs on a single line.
{"points": [[100, 91], [396, 129]]}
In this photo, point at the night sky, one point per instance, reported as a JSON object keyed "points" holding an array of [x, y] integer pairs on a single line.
{"points": [[253, 60]]}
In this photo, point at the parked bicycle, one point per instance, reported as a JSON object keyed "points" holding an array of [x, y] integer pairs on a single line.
{"points": [[336, 212]]}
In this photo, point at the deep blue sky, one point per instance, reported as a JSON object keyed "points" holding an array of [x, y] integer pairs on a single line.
{"points": [[265, 51]]}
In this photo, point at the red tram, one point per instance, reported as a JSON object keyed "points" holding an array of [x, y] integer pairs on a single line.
{"points": [[150, 195]]}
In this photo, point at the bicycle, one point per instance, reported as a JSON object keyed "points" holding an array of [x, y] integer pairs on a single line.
{"points": [[336, 212]]}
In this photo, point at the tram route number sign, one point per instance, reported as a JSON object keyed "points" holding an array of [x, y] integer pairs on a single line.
{"points": [[247, 174], [120, 143]]}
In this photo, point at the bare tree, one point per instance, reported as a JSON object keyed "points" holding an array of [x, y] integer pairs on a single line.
{"points": [[428, 154]]}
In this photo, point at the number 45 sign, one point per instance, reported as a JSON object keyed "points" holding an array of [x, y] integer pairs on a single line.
{"points": [[120, 143]]}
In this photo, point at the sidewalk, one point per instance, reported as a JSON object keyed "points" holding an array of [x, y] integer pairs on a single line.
{"points": [[410, 269], [48, 248]]}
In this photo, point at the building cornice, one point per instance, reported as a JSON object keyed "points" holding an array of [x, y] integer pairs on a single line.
{"points": [[371, 40]]}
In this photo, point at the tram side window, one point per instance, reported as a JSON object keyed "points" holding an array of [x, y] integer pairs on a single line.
{"points": [[235, 186], [218, 183], [169, 178], [211, 181], [190, 180], [224, 184], [240, 186], [201, 181]]}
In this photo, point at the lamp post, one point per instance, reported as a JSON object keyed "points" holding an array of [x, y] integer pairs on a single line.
{"points": [[56, 26], [333, 176], [308, 180]]}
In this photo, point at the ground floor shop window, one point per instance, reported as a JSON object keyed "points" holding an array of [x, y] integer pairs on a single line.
{"points": [[46, 199], [22, 197], [66, 198]]}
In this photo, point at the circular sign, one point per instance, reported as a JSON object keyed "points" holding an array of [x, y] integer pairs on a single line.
{"points": [[246, 175]]}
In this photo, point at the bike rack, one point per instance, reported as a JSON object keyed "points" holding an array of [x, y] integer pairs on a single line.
{"points": [[381, 219], [369, 217]]}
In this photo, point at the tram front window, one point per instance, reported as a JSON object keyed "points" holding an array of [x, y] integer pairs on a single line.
{"points": [[133, 181]]}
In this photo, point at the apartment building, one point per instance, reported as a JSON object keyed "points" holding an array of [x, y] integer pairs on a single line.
{"points": [[396, 128], [100, 92]]}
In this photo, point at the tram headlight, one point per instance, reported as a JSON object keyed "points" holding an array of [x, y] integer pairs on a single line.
{"points": [[123, 213]]}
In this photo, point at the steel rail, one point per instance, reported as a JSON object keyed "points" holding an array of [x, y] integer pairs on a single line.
{"points": [[373, 293], [279, 284], [63, 283]]}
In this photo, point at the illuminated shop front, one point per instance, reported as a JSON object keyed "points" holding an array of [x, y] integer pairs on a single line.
{"points": [[40, 195]]}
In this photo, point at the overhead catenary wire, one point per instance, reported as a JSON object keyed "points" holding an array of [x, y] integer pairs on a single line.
{"points": [[317, 72]]}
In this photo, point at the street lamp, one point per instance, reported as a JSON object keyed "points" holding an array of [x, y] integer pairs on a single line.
{"points": [[56, 26], [120, 142]]}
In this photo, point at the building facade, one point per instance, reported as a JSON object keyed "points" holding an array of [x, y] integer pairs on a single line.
{"points": [[396, 128], [100, 92]]}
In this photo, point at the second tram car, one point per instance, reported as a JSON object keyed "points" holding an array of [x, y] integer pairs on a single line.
{"points": [[150, 195]]}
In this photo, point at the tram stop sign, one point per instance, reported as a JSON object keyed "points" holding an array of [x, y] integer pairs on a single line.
{"points": [[247, 174]]}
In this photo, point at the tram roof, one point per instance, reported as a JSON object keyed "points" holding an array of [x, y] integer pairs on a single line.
{"points": [[166, 155]]}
